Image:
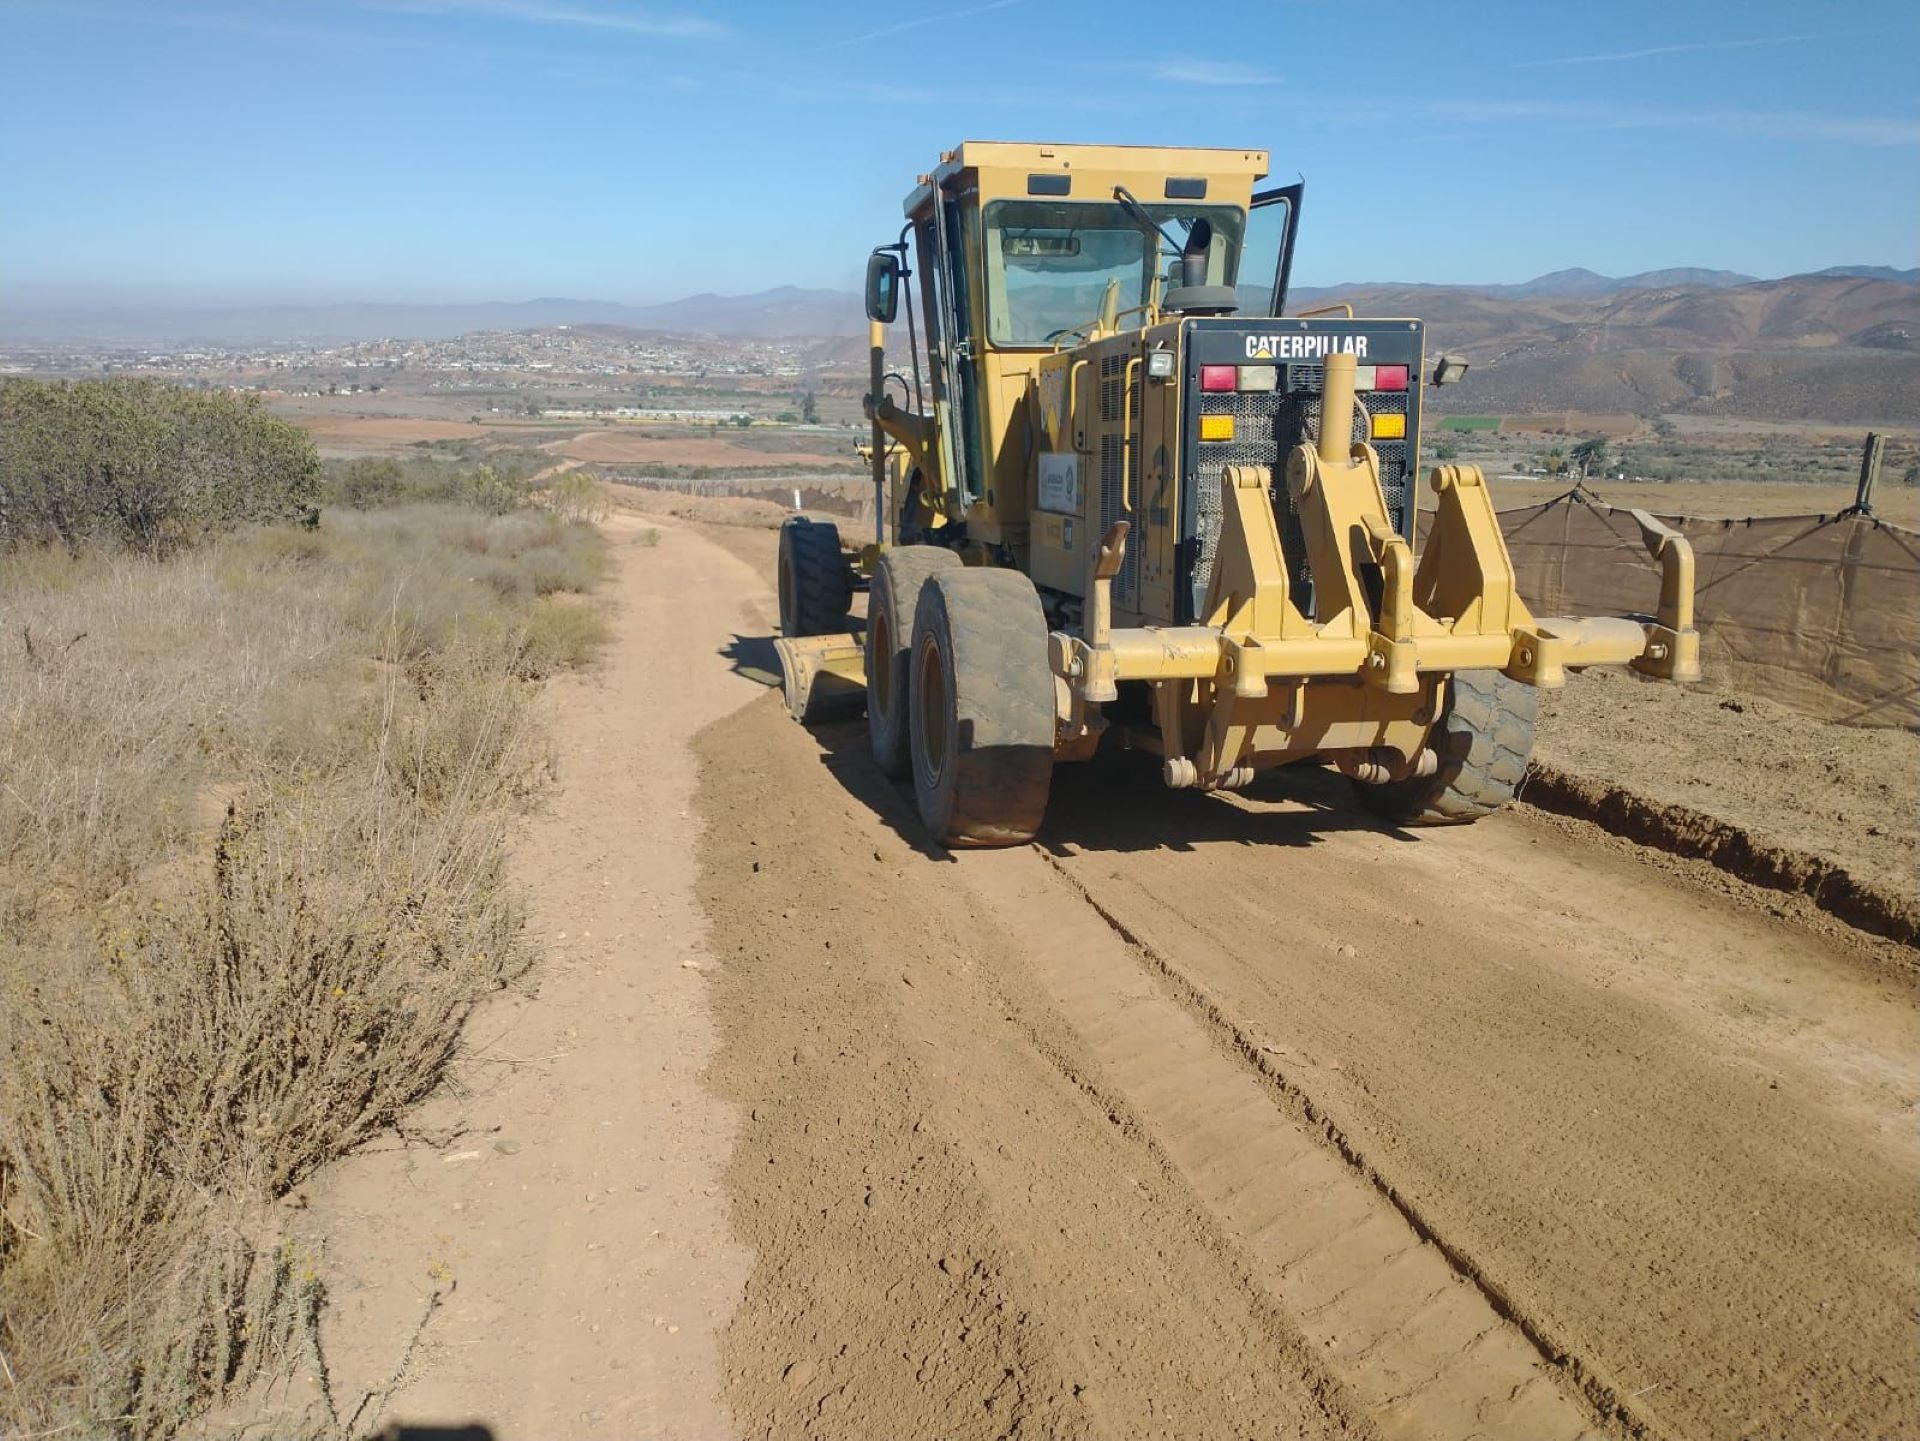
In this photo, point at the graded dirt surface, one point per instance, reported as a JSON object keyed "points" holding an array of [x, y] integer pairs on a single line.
{"points": [[1215, 1115], [1212, 1103]]}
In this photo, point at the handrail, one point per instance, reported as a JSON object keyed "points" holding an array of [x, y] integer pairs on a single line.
{"points": [[1071, 405], [1126, 434]]}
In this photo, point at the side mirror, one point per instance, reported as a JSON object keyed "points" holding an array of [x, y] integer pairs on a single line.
{"points": [[883, 286]]}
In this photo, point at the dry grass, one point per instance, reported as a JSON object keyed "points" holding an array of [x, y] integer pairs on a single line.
{"points": [[252, 824]]}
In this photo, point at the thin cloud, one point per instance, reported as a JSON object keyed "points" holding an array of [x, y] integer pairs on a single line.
{"points": [[546, 12], [914, 24], [1654, 50], [1879, 132], [1210, 73]]}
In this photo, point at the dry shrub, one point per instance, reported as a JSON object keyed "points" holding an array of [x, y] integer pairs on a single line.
{"points": [[580, 495], [251, 851]]}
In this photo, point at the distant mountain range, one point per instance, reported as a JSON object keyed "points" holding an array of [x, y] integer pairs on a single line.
{"points": [[1587, 283], [1839, 346], [783, 311]]}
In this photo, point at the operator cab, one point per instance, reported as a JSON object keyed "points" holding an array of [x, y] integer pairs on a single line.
{"points": [[1025, 251]]}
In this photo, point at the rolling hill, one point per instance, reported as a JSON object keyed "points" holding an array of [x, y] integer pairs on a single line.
{"points": [[1840, 345], [1814, 347]]}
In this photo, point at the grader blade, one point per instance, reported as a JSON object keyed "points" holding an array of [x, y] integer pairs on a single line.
{"points": [[822, 676]]}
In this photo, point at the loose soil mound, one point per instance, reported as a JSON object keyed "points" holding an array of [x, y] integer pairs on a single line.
{"points": [[1845, 799]]}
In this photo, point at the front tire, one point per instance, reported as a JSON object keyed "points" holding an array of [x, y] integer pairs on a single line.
{"points": [[981, 708], [1484, 740], [891, 597], [816, 588]]}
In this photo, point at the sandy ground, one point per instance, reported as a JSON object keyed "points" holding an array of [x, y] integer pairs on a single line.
{"points": [[1204, 1116], [1629, 1115], [564, 1192]]}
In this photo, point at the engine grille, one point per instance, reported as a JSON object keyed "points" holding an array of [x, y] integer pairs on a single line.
{"points": [[1267, 425]]}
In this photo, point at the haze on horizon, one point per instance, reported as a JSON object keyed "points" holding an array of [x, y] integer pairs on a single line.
{"points": [[316, 151]]}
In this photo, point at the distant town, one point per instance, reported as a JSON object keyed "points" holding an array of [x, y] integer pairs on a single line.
{"points": [[555, 350]]}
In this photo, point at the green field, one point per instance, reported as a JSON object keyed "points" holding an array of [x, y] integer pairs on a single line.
{"points": [[1470, 422]]}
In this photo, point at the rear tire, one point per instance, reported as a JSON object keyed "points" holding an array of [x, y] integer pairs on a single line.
{"points": [[1484, 740], [981, 708], [816, 588], [891, 597]]}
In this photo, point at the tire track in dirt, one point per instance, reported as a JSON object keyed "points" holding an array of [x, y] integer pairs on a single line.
{"points": [[957, 1235], [1599, 1395], [1423, 1350], [1671, 1130]]}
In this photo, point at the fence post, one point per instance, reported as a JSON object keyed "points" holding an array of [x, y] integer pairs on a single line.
{"points": [[1870, 456]]}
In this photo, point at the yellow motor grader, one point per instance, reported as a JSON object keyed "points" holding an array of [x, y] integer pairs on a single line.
{"points": [[1131, 498]]}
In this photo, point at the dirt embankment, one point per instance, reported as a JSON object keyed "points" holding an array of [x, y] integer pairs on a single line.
{"points": [[1775, 797]]}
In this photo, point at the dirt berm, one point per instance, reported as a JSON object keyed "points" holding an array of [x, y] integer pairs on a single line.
{"points": [[1216, 1116]]}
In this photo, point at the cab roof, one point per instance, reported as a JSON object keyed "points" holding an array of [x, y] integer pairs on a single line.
{"points": [[1010, 167]]}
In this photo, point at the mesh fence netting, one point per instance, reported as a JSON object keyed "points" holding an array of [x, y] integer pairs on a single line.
{"points": [[1819, 612]]}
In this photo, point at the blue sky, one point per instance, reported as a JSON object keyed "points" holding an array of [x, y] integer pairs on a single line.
{"points": [[238, 151]]}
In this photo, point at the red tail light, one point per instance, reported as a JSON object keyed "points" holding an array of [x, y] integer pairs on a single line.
{"points": [[1389, 377], [1227, 377]]}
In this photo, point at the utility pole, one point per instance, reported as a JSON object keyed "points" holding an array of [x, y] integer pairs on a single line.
{"points": [[1870, 456]]}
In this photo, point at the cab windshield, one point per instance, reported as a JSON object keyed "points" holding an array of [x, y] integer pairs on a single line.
{"points": [[1048, 262]]}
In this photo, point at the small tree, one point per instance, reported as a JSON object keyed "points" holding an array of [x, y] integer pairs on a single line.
{"points": [[1446, 450], [1590, 455], [809, 407]]}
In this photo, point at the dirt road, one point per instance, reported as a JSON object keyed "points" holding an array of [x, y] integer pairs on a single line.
{"points": [[1206, 1116], [1216, 1116], [560, 1202]]}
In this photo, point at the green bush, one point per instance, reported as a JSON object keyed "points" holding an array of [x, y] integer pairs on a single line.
{"points": [[143, 464], [370, 483]]}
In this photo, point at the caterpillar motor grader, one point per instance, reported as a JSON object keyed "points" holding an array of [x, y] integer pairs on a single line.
{"points": [[1130, 498]]}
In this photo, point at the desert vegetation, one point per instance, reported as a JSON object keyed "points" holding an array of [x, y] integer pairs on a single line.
{"points": [[260, 759], [143, 464]]}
